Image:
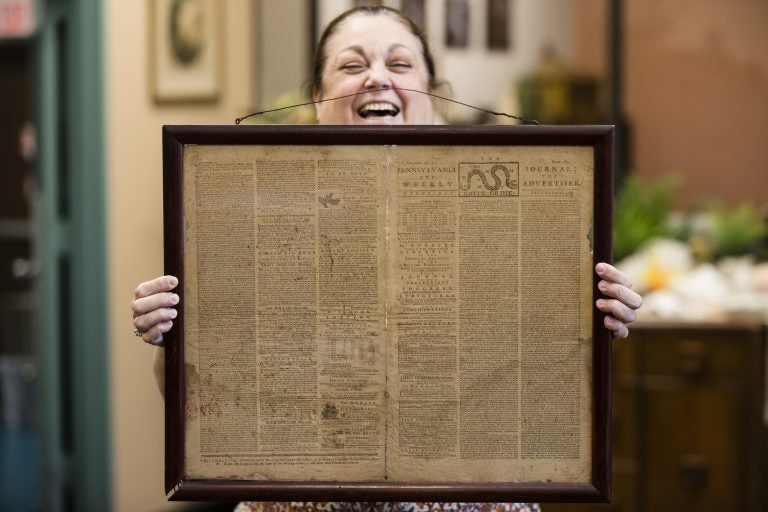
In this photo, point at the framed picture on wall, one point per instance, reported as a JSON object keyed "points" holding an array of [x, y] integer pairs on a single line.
{"points": [[457, 23], [498, 25], [186, 50]]}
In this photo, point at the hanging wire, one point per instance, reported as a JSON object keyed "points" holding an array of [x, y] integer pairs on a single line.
{"points": [[524, 120]]}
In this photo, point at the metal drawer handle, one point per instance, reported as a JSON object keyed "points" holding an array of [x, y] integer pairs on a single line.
{"points": [[694, 472], [693, 356]]}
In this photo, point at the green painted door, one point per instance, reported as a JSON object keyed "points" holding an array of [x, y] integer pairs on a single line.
{"points": [[68, 243]]}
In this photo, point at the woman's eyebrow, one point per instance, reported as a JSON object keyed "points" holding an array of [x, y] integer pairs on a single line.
{"points": [[354, 48], [359, 49], [397, 46]]}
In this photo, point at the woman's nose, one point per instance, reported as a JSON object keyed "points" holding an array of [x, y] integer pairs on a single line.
{"points": [[378, 77]]}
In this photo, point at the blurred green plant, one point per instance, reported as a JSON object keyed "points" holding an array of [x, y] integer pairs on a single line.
{"points": [[737, 232], [712, 230], [641, 213]]}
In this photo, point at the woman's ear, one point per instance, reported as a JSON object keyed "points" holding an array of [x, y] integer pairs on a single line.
{"points": [[316, 97]]}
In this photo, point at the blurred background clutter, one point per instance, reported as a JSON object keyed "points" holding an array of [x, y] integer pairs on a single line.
{"points": [[86, 85]]}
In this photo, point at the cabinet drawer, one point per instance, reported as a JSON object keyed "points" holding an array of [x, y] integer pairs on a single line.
{"points": [[697, 354], [696, 453]]}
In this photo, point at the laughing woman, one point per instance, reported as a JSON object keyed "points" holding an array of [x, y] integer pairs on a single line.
{"points": [[380, 53]]}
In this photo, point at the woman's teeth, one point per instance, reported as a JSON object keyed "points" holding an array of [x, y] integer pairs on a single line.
{"points": [[380, 109]]}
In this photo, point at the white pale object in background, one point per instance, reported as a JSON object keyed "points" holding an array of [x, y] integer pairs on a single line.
{"points": [[760, 277], [673, 288], [703, 284], [657, 265]]}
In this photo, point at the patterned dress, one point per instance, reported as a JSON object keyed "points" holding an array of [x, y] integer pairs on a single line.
{"points": [[337, 506]]}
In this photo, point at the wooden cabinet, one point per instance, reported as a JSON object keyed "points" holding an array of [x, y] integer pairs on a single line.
{"points": [[688, 420]]}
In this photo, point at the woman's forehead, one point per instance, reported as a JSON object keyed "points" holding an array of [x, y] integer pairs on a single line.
{"points": [[382, 31]]}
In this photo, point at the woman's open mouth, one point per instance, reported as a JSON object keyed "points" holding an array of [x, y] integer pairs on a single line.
{"points": [[378, 109]]}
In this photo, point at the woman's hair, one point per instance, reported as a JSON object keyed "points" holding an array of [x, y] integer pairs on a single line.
{"points": [[318, 65]]}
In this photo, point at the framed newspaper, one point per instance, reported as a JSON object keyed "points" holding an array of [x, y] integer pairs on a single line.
{"points": [[387, 313]]}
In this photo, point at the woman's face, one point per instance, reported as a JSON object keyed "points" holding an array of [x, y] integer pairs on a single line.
{"points": [[374, 52]]}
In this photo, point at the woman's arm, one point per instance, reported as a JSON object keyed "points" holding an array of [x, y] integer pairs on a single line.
{"points": [[153, 309], [159, 368]]}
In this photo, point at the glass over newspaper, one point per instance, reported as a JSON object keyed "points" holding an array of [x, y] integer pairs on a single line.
{"points": [[398, 313]]}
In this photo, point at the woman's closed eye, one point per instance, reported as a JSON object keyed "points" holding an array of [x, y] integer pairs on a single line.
{"points": [[353, 67], [400, 65]]}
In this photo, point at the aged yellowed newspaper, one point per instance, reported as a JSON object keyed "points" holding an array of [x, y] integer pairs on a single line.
{"points": [[398, 313]]}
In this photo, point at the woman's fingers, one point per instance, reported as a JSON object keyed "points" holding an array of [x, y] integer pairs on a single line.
{"points": [[621, 301], [620, 330], [621, 293], [617, 309], [146, 322], [146, 305], [613, 275], [154, 324], [154, 294], [157, 285], [154, 336]]}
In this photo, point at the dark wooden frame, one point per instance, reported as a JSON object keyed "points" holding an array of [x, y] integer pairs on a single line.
{"points": [[179, 487]]}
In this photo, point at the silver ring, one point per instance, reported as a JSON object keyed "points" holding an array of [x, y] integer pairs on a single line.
{"points": [[138, 333]]}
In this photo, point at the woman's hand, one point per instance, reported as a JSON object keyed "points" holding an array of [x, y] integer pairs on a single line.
{"points": [[621, 302], [153, 308]]}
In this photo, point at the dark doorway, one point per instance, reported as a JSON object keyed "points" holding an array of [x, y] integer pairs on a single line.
{"points": [[20, 448]]}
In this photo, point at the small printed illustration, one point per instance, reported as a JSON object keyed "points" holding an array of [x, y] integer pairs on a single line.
{"points": [[327, 200], [489, 179], [330, 412]]}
